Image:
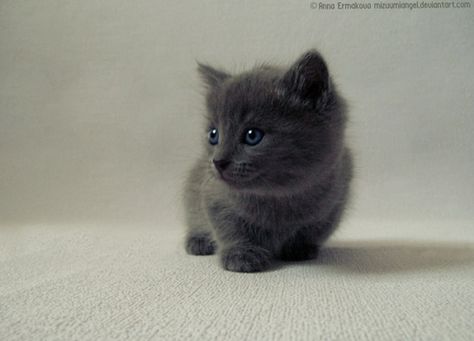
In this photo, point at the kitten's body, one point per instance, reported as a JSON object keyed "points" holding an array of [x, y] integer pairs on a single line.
{"points": [[284, 196]]}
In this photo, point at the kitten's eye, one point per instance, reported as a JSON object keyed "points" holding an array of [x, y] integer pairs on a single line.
{"points": [[213, 136], [253, 136]]}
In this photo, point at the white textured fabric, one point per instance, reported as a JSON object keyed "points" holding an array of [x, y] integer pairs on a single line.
{"points": [[90, 284]]}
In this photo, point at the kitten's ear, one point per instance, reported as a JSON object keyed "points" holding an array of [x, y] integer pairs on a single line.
{"points": [[212, 77], [308, 77]]}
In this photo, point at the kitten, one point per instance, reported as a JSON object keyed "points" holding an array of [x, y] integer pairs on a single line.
{"points": [[274, 177]]}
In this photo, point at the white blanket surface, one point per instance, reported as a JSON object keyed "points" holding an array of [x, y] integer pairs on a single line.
{"points": [[90, 283]]}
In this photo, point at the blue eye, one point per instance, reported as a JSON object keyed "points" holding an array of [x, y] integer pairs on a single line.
{"points": [[253, 136], [213, 136]]}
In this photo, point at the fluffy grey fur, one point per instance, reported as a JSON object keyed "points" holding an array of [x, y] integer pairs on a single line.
{"points": [[283, 197]]}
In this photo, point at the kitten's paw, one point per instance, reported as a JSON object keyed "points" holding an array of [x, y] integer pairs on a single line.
{"points": [[246, 259], [298, 252], [200, 244]]}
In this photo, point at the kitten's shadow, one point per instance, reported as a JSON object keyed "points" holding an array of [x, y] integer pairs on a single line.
{"points": [[380, 257]]}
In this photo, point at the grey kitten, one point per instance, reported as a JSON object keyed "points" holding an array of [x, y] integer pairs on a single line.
{"points": [[274, 177]]}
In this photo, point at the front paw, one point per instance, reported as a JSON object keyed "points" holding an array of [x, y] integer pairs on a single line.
{"points": [[246, 259], [200, 244]]}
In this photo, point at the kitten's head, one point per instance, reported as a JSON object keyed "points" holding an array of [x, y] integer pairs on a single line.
{"points": [[272, 130]]}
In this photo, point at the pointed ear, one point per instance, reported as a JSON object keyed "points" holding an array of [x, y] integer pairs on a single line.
{"points": [[308, 77], [212, 77]]}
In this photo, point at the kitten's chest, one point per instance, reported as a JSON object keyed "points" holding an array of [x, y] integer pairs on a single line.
{"points": [[276, 212]]}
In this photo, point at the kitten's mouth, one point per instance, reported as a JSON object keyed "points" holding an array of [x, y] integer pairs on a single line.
{"points": [[234, 181], [227, 179]]}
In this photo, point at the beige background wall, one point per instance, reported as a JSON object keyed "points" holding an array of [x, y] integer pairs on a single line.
{"points": [[100, 103]]}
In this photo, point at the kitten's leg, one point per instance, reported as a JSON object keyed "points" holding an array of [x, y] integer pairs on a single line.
{"points": [[300, 246], [240, 249], [200, 243], [305, 243], [199, 238]]}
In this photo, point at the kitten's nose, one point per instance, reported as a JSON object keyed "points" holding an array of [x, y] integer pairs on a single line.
{"points": [[221, 165]]}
